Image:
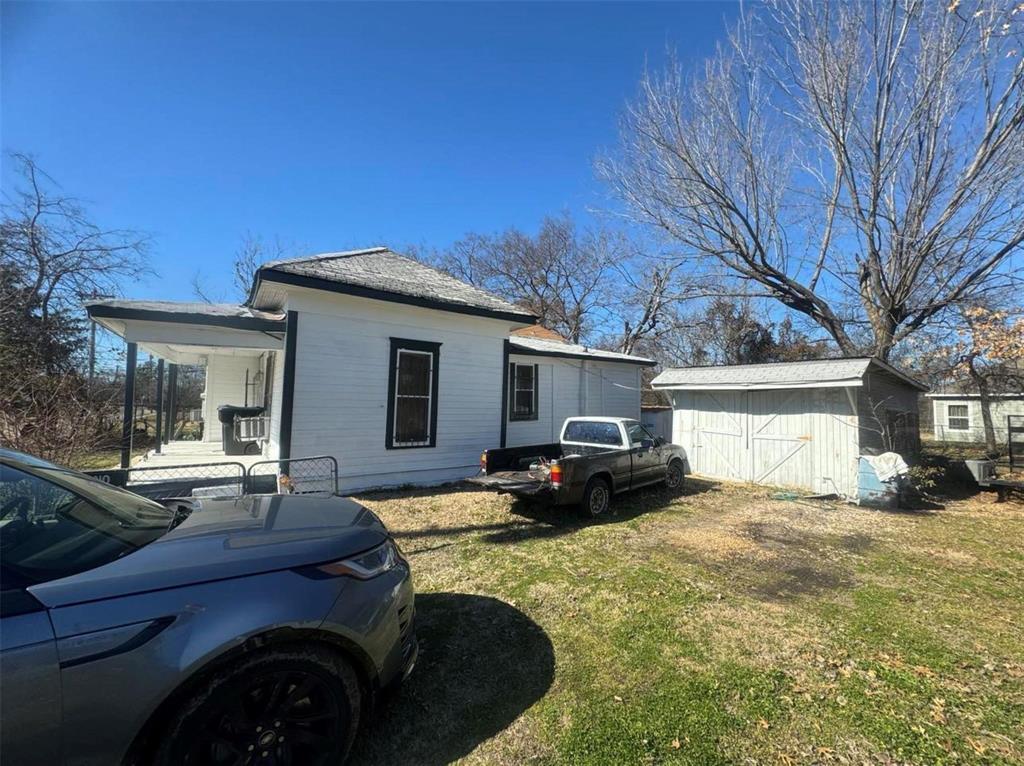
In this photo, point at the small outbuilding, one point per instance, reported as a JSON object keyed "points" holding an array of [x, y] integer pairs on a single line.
{"points": [[957, 417], [799, 424]]}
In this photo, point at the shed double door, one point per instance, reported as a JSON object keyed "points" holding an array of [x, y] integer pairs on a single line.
{"points": [[759, 436]]}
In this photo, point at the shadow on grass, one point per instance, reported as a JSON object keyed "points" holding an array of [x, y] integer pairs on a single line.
{"points": [[530, 520], [482, 664]]}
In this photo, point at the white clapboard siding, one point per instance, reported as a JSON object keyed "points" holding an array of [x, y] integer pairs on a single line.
{"points": [[573, 387], [341, 388], [225, 384]]}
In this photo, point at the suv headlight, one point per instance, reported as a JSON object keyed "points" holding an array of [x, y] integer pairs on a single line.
{"points": [[366, 565]]}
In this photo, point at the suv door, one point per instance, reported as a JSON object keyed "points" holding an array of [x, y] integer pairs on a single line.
{"points": [[30, 699]]}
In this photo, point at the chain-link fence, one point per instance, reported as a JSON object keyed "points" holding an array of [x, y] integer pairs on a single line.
{"points": [[299, 476]]}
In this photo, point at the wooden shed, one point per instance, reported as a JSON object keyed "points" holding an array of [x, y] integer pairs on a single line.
{"points": [[799, 424]]}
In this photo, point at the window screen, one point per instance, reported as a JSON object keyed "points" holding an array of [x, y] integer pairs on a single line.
{"points": [[523, 398], [413, 394], [957, 418]]}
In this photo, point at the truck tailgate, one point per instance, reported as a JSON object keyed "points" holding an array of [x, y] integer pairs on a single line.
{"points": [[516, 482]]}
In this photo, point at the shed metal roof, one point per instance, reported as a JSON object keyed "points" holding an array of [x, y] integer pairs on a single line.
{"points": [[383, 274], [539, 347], [810, 374]]}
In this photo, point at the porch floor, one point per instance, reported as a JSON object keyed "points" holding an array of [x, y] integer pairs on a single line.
{"points": [[192, 453]]}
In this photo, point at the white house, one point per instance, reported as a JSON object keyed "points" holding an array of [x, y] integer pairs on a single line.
{"points": [[402, 373], [957, 417], [800, 424]]}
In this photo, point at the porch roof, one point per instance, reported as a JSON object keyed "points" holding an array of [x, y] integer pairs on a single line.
{"points": [[185, 332], [228, 315]]}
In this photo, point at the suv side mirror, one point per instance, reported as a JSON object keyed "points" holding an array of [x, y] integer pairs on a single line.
{"points": [[646, 444]]}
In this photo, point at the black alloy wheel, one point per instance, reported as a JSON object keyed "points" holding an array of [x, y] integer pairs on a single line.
{"points": [[283, 710]]}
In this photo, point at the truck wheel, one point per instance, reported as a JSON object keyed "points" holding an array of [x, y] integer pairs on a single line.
{"points": [[299, 704], [596, 497], [674, 475]]}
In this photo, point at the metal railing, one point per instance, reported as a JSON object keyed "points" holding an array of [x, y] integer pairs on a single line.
{"points": [[300, 476], [295, 476]]}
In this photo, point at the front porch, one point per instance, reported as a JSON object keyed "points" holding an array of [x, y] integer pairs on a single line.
{"points": [[238, 349], [178, 453]]}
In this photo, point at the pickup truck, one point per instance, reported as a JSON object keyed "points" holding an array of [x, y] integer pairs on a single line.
{"points": [[593, 459]]}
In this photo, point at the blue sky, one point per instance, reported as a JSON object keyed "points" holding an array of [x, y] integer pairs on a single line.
{"points": [[328, 125]]}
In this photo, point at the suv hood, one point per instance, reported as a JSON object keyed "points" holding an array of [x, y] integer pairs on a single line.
{"points": [[229, 537]]}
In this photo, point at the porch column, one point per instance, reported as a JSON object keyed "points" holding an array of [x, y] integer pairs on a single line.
{"points": [[128, 420], [172, 402], [159, 404]]}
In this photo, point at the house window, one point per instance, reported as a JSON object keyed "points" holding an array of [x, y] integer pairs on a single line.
{"points": [[523, 394], [412, 394], [957, 418]]}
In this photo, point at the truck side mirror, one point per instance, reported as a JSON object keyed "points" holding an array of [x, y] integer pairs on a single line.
{"points": [[646, 444]]}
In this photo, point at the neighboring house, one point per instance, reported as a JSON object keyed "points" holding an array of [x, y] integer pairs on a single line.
{"points": [[800, 424], [401, 372], [957, 417]]}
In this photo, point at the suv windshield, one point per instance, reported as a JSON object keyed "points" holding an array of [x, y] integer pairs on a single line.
{"points": [[55, 522]]}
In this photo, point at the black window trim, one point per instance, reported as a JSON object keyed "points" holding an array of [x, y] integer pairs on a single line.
{"points": [[406, 344], [535, 413]]}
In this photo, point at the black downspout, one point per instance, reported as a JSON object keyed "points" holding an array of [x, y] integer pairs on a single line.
{"points": [[504, 389], [288, 387], [128, 418], [172, 403], [159, 404]]}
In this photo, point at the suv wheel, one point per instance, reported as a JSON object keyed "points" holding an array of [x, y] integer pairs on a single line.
{"points": [[596, 497], [289, 706]]}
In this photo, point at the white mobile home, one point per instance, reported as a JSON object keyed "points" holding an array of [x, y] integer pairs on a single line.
{"points": [[402, 373], [800, 424]]}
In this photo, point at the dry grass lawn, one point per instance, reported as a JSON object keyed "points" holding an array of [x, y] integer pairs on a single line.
{"points": [[719, 625]]}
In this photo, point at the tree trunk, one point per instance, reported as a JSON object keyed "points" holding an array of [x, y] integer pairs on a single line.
{"points": [[985, 401]]}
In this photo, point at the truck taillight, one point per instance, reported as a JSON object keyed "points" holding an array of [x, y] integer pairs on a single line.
{"points": [[483, 461], [556, 475]]}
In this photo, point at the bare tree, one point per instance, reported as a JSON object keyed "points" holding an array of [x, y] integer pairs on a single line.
{"points": [[859, 162], [253, 252], [561, 274], [59, 254]]}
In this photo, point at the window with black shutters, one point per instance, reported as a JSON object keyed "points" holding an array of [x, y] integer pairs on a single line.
{"points": [[412, 394], [522, 399]]}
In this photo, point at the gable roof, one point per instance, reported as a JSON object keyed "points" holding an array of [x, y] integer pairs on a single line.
{"points": [[540, 347], [381, 274], [811, 374]]}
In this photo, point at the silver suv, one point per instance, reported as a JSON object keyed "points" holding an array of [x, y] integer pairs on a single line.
{"points": [[254, 630]]}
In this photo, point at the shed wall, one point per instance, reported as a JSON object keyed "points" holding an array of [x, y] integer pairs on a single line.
{"points": [[801, 437]]}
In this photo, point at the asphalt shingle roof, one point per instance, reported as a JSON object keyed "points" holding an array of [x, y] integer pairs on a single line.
{"points": [[555, 348], [778, 374], [383, 270]]}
